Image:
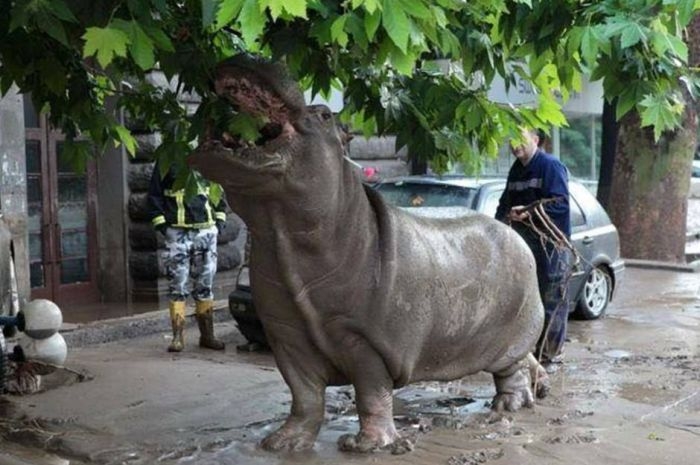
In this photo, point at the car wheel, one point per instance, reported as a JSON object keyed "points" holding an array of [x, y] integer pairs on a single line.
{"points": [[595, 295]]}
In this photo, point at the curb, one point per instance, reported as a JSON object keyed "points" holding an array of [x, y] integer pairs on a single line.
{"points": [[692, 267], [143, 324]]}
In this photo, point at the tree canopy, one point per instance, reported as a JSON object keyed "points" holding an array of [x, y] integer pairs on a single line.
{"points": [[78, 58]]}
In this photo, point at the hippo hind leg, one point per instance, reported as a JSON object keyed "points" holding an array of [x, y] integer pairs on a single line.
{"points": [[513, 387]]}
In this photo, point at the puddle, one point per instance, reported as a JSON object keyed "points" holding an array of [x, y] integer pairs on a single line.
{"points": [[617, 353]]}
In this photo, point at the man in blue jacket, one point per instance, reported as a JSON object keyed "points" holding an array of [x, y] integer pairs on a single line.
{"points": [[536, 175], [190, 227]]}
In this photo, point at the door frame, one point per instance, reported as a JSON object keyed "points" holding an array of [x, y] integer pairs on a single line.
{"points": [[73, 293]]}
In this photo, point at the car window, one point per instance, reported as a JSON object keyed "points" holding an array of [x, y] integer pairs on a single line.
{"points": [[406, 194], [490, 204], [577, 217]]}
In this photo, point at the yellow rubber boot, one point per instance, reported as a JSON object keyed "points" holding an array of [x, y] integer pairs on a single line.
{"points": [[205, 320], [177, 319]]}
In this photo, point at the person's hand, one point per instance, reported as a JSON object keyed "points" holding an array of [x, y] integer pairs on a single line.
{"points": [[518, 213]]}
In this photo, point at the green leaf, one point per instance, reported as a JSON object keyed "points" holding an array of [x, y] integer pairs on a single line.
{"points": [[53, 27], [626, 101], [252, 23], [659, 43], [106, 42], [54, 73], [246, 126], [396, 24], [372, 21], [631, 35], [338, 33], [125, 137], [660, 113], [216, 193], [589, 45], [355, 28], [296, 8], [160, 39], [141, 47], [404, 63], [61, 11], [416, 8], [679, 47], [140, 44], [685, 11], [372, 6], [549, 110], [276, 7], [228, 12]]}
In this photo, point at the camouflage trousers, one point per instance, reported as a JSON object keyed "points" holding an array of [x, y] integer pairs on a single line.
{"points": [[190, 254]]}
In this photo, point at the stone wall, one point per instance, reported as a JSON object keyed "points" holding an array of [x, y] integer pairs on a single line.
{"points": [[379, 153]]}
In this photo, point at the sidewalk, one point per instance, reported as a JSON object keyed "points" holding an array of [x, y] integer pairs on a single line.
{"points": [[136, 325]]}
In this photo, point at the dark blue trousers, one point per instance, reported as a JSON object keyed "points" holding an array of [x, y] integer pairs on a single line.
{"points": [[554, 267]]}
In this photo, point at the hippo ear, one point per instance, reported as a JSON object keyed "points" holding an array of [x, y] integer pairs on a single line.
{"points": [[345, 135]]}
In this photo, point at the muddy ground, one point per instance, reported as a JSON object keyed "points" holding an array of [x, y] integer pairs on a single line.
{"points": [[628, 393]]}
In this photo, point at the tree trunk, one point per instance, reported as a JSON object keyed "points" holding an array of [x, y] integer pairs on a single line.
{"points": [[607, 155], [649, 192], [651, 181]]}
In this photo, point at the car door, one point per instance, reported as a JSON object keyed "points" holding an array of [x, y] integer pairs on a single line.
{"points": [[581, 242]]}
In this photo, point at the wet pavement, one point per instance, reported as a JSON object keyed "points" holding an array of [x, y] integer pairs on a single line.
{"points": [[628, 392]]}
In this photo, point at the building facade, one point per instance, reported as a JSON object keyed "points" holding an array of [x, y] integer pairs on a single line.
{"points": [[83, 238]]}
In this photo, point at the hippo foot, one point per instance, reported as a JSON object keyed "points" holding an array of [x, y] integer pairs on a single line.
{"points": [[402, 446], [513, 391], [285, 439], [364, 442], [512, 401]]}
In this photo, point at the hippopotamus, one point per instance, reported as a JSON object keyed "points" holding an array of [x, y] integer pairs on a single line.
{"points": [[351, 290]]}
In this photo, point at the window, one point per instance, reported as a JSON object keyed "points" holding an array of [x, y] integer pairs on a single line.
{"points": [[577, 217]]}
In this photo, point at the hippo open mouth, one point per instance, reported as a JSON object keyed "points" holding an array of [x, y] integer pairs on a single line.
{"points": [[270, 100]]}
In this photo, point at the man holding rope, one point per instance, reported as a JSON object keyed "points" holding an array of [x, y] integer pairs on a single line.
{"points": [[536, 204]]}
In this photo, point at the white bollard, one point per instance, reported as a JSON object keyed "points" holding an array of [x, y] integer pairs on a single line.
{"points": [[42, 319]]}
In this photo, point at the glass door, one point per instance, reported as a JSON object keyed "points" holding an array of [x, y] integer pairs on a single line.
{"points": [[61, 218]]}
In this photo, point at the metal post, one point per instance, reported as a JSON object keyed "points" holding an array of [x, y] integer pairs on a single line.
{"points": [[556, 143], [594, 175]]}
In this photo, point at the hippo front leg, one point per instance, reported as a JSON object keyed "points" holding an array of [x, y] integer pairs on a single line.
{"points": [[303, 374], [513, 387], [373, 398]]}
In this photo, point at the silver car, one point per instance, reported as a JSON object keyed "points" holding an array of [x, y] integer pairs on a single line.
{"points": [[593, 235]]}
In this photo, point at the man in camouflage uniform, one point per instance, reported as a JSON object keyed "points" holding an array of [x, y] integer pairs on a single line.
{"points": [[190, 227]]}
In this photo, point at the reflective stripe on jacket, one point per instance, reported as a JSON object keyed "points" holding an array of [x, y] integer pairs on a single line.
{"points": [[170, 207]]}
